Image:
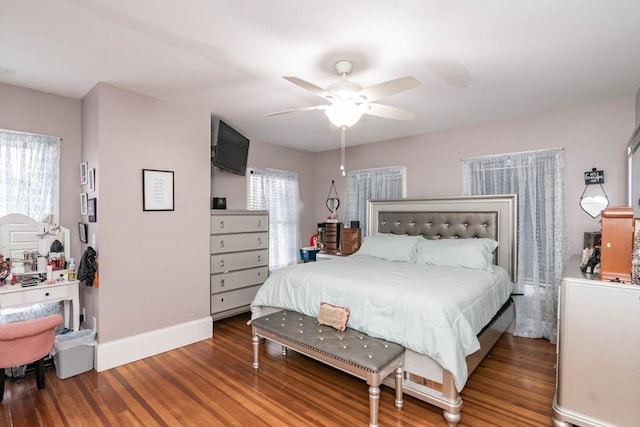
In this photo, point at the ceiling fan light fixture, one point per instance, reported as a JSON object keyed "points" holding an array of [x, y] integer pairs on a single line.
{"points": [[343, 113]]}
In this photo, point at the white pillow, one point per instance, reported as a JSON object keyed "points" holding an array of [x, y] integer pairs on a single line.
{"points": [[392, 247], [468, 253]]}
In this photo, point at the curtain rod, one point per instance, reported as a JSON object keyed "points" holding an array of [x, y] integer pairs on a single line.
{"points": [[30, 133], [511, 154], [381, 167]]}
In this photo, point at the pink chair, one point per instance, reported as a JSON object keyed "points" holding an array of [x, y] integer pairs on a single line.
{"points": [[26, 342]]}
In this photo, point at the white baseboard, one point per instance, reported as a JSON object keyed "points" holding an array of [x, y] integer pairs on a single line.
{"points": [[116, 353]]}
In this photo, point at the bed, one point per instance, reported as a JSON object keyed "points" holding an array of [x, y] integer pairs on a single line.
{"points": [[433, 275]]}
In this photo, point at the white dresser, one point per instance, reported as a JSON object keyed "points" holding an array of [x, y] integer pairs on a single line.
{"points": [[598, 369], [239, 259]]}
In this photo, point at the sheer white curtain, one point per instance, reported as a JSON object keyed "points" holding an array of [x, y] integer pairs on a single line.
{"points": [[377, 183], [537, 177], [277, 191], [29, 174]]}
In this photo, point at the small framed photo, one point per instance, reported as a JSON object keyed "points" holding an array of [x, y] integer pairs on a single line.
{"points": [[84, 172], [83, 203], [82, 230], [92, 209], [91, 180], [157, 190]]}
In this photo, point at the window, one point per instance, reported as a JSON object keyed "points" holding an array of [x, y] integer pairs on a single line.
{"points": [[366, 184], [29, 174], [277, 191], [537, 177]]}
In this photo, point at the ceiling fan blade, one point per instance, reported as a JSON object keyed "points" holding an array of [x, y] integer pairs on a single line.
{"points": [[315, 107], [306, 85], [381, 90], [389, 112]]}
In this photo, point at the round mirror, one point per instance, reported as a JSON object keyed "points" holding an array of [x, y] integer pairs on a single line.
{"points": [[593, 205]]}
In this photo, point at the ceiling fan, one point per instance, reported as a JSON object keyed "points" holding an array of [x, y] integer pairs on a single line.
{"points": [[348, 101]]}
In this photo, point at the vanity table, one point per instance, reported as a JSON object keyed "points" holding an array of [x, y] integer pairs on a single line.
{"points": [[13, 296], [19, 233]]}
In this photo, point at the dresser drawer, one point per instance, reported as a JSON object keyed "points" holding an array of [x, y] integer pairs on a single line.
{"points": [[42, 295], [222, 224], [238, 279], [11, 299], [233, 299], [239, 260], [221, 243]]}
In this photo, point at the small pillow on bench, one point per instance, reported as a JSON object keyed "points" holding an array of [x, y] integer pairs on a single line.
{"points": [[334, 316]]}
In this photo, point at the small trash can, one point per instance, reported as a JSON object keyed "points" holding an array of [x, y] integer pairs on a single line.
{"points": [[308, 254], [73, 352]]}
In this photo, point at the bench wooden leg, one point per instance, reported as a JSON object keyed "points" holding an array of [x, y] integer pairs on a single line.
{"points": [[374, 402], [256, 350], [399, 385]]}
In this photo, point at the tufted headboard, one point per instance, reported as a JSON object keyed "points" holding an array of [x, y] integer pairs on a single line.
{"points": [[463, 217]]}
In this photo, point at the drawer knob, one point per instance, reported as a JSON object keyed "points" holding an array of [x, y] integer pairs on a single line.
{"points": [[258, 258], [221, 263], [259, 222], [221, 224], [222, 283], [47, 294], [222, 243], [259, 241]]}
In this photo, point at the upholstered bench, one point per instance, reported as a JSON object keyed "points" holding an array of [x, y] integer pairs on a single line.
{"points": [[368, 358]]}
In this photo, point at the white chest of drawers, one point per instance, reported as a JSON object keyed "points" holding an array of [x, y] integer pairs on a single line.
{"points": [[598, 373], [239, 249]]}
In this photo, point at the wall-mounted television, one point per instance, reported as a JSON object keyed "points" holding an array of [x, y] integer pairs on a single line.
{"points": [[229, 148]]}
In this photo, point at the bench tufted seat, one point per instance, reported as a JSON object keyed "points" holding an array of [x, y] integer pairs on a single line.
{"points": [[365, 357]]}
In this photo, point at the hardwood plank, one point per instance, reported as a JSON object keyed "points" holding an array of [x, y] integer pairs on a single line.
{"points": [[212, 383]]}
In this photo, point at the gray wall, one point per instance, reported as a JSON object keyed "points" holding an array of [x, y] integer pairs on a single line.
{"points": [[29, 110], [592, 136], [261, 154], [155, 265]]}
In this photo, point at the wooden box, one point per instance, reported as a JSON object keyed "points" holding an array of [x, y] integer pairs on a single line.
{"points": [[617, 244], [350, 240]]}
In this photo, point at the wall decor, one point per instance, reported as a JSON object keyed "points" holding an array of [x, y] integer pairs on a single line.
{"points": [[83, 172], [82, 231], [333, 202], [83, 203], [157, 190], [594, 203], [91, 179], [92, 209]]}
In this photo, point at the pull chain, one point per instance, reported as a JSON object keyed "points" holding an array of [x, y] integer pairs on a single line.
{"points": [[343, 130]]}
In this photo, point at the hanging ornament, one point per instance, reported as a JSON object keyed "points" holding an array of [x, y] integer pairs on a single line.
{"points": [[333, 203]]}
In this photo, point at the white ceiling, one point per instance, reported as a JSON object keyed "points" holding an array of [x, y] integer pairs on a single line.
{"points": [[478, 61]]}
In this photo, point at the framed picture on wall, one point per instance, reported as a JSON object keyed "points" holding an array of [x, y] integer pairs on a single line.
{"points": [[82, 230], [83, 203], [84, 172], [91, 179], [157, 190], [92, 209]]}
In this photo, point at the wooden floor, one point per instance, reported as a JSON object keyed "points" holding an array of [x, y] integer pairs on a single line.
{"points": [[212, 383]]}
